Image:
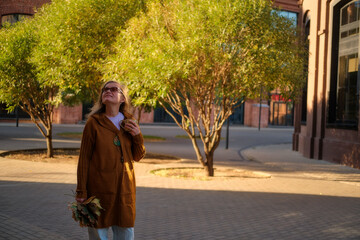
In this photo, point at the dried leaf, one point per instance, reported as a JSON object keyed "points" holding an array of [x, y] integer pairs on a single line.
{"points": [[87, 212]]}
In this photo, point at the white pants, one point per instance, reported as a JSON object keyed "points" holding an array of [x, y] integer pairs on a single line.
{"points": [[119, 233]]}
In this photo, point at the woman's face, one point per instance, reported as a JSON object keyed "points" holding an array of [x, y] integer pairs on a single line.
{"points": [[112, 94]]}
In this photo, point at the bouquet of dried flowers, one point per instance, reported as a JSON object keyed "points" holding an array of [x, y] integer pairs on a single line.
{"points": [[87, 212]]}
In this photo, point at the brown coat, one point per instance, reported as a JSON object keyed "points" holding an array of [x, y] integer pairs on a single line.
{"points": [[102, 172]]}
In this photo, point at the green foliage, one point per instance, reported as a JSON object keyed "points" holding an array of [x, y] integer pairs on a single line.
{"points": [[232, 47], [15, 48], [19, 84], [61, 50], [74, 39]]}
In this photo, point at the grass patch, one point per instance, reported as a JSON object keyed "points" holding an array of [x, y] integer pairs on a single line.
{"points": [[187, 137], [153, 138], [76, 135]]}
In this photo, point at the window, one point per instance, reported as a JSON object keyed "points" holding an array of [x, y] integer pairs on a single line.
{"points": [[289, 15], [343, 107], [13, 18], [292, 16]]}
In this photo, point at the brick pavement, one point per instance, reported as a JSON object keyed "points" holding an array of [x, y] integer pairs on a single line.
{"points": [[303, 199]]}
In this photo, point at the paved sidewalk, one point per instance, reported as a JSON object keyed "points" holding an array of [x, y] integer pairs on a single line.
{"points": [[292, 164], [303, 199]]}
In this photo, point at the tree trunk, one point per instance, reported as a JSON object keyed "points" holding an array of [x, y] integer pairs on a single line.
{"points": [[139, 115], [49, 145], [138, 110], [197, 151], [209, 166]]}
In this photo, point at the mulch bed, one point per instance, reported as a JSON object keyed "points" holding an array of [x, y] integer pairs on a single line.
{"points": [[69, 155]]}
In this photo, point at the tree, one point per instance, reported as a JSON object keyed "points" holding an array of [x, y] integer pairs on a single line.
{"points": [[19, 84], [55, 57], [202, 59]]}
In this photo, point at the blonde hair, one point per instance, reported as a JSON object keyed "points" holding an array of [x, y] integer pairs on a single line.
{"points": [[99, 107]]}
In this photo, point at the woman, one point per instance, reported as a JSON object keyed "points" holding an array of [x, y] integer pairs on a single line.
{"points": [[105, 167]]}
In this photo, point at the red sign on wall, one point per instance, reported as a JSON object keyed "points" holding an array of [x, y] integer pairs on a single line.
{"points": [[279, 98]]}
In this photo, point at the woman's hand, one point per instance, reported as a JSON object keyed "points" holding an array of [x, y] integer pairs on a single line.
{"points": [[80, 200], [134, 129]]}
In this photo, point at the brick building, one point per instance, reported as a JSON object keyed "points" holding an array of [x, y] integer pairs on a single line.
{"points": [[327, 119]]}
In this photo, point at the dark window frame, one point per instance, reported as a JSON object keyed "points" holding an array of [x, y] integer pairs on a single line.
{"points": [[13, 14], [331, 121]]}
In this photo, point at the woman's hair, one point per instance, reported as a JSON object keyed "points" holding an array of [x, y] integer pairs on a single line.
{"points": [[99, 107]]}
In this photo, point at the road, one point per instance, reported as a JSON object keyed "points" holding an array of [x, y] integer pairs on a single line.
{"points": [[27, 136]]}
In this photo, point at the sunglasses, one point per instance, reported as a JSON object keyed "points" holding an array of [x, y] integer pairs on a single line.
{"points": [[112, 89]]}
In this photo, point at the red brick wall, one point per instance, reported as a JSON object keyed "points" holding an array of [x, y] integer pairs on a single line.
{"points": [[289, 5], [67, 115], [20, 6], [146, 117], [251, 114]]}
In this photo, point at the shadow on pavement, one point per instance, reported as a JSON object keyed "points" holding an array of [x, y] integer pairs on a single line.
{"points": [[39, 211]]}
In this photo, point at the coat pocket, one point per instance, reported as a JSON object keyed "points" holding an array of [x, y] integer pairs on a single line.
{"points": [[128, 186], [102, 181]]}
